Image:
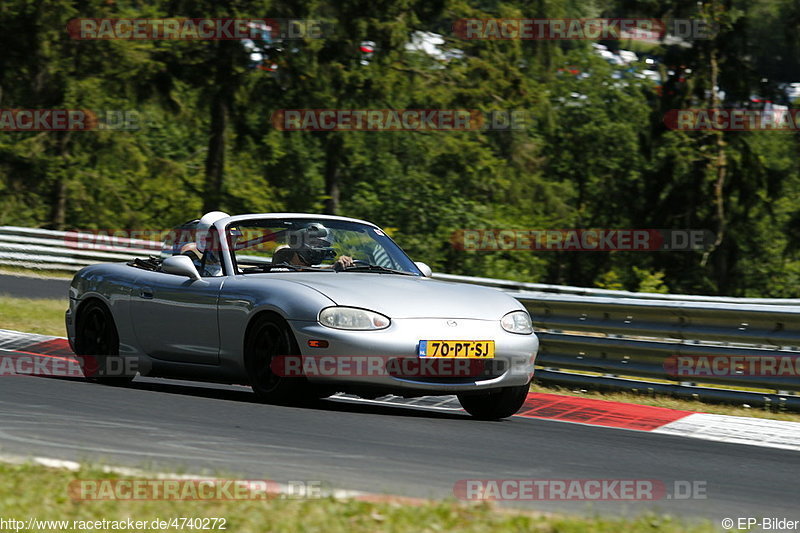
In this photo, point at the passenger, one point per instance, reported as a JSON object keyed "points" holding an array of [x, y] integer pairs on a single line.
{"points": [[210, 263]]}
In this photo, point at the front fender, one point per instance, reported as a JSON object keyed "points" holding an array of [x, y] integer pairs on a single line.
{"points": [[111, 284], [242, 299]]}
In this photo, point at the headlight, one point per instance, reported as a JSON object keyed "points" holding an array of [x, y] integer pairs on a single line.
{"points": [[352, 318], [517, 322]]}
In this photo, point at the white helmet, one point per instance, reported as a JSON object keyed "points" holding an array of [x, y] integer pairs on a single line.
{"points": [[206, 221]]}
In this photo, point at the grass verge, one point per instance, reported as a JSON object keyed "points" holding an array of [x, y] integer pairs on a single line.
{"points": [[32, 491], [45, 317]]}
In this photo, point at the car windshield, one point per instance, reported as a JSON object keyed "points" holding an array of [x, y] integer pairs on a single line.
{"points": [[316, 245]]}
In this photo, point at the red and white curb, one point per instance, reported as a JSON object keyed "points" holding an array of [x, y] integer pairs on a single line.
{"points": [[598, 412], [720, 428], [660, 420], [17, 340], [736, 429]]}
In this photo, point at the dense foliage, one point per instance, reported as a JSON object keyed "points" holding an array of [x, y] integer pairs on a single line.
{"points": [[594, 154]]}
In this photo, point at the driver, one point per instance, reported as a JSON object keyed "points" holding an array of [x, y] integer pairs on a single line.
{"points": [[311, 246]]}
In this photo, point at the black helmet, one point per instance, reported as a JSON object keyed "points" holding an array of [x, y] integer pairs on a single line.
{"points": [[312, 243]]}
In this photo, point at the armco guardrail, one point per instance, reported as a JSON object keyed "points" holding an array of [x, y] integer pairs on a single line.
{"points": [[519, 286], [66, 251], [645, 335], [589, 337]]}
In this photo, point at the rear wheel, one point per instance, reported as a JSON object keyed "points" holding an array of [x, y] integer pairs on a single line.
{"points": [[270, 337], [499, 403], [97, 345]]}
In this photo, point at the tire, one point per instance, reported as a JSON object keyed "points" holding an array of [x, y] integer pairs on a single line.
{"points": [[497, 404], [96, 339], [269, 336]]}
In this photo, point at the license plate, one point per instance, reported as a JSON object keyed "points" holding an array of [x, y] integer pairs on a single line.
{"points": [[460, 349]]}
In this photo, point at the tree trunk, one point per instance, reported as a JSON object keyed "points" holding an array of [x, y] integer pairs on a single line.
{"points": [[59, 211], [333, 151], [220, 106], [215, 159], [719, 165], [59, 217]]}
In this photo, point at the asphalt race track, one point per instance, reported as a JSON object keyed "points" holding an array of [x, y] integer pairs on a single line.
{"points": [[173, 426], [397, 450], [28, 287]]}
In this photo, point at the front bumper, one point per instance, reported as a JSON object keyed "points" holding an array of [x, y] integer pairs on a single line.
{"points": [[512, 365]]}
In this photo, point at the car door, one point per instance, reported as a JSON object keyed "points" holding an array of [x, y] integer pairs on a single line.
{"points": [[175, 317]]}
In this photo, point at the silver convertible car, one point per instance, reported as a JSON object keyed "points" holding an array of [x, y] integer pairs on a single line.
{"points": [[299, 307]]}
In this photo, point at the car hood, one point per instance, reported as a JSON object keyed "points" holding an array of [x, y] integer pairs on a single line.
{"points": [[398, 296]]}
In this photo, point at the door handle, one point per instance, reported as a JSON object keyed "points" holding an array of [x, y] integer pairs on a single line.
{"points": [[147, 294]]}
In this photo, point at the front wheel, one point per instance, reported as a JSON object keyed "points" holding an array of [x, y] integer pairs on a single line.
{"points": [[497, 404], [97, 346], [269, 338]]}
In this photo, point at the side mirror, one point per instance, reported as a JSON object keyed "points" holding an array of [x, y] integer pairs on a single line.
{"points": [[425, 269], [180, 265]]}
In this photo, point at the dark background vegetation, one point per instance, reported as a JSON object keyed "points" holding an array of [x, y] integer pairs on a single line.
{"points": [[596, 154]]}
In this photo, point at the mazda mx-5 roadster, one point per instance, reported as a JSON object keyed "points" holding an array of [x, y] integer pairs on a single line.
{"points": [[299, 307]]}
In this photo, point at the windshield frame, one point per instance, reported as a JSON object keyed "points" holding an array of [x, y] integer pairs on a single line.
{"points": [[410, 269]]}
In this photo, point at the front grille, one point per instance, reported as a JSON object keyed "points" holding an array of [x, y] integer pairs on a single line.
{"points": [[446, 371]]}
